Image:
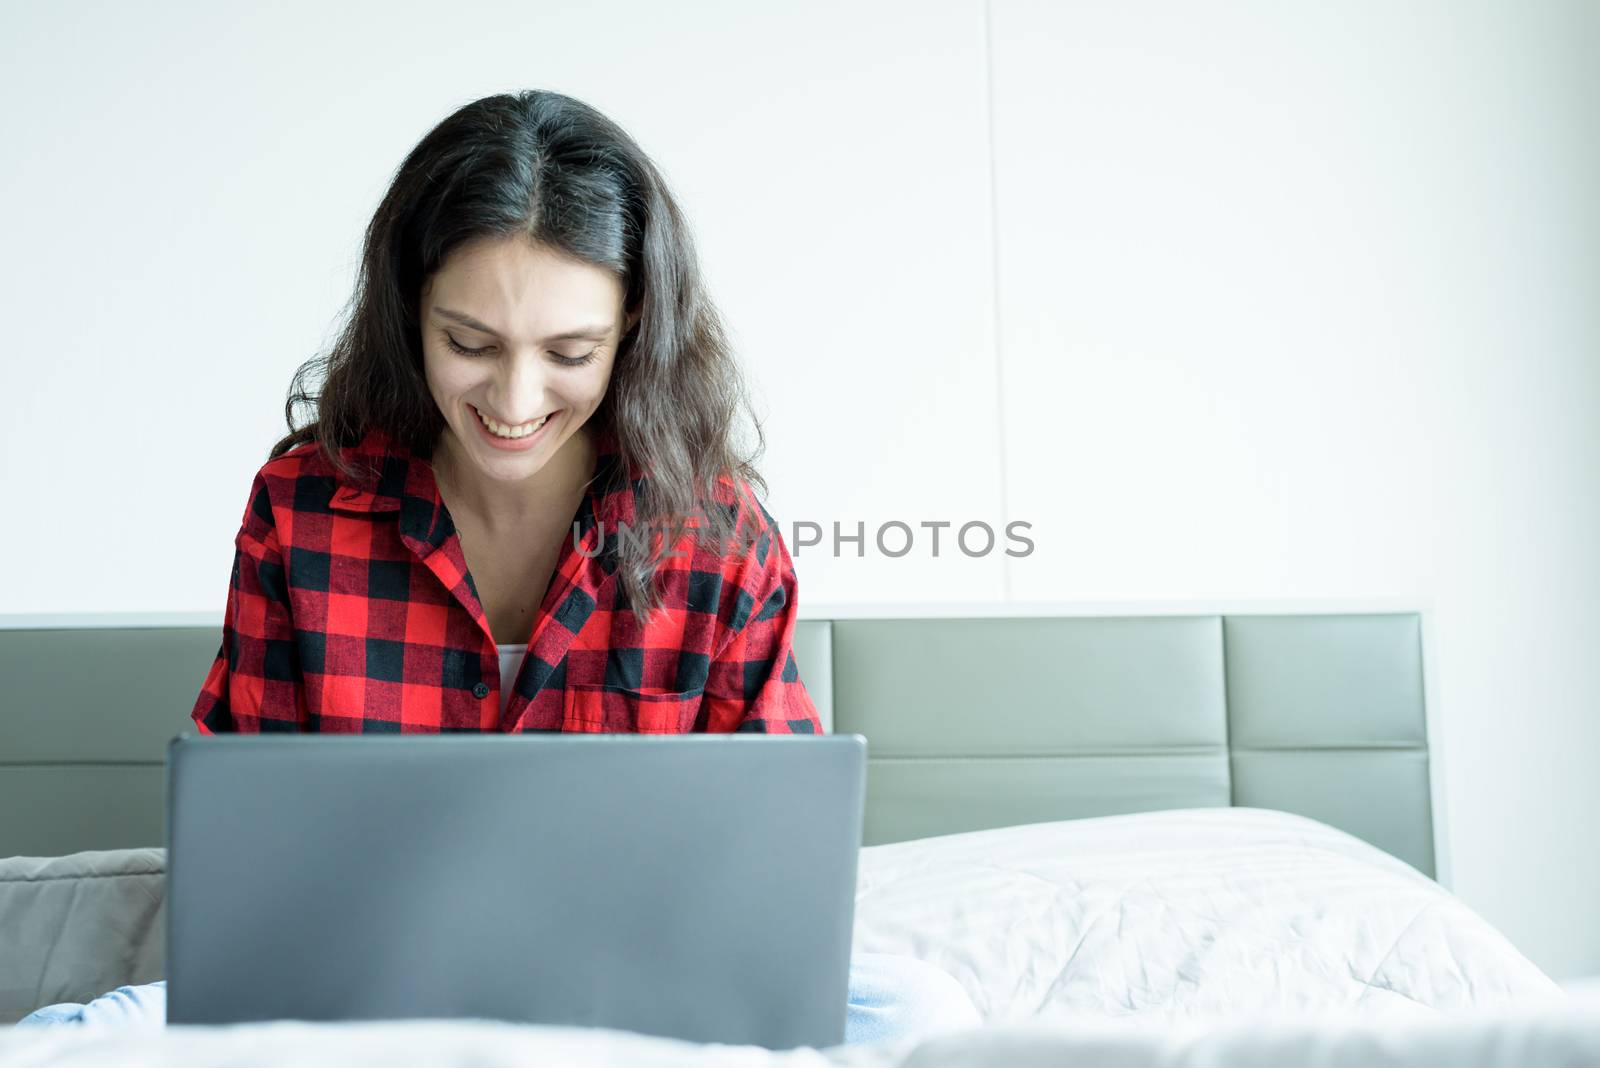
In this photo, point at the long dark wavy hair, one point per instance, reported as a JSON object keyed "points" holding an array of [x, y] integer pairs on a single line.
{"points": [[553, 169]]}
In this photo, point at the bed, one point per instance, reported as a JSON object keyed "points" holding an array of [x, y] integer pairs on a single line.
{"points": [[1135, 838]]}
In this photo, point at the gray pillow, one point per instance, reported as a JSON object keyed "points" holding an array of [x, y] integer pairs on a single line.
{"points": [[75, 927]]}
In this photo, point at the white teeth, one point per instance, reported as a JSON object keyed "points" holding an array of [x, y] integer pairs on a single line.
{"points": [[500, 430]]}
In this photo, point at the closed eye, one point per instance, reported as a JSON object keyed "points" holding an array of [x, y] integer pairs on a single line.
{"points": [[564, 360]]}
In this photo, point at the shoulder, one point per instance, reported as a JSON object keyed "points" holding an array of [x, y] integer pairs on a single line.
{"points": [[737, 498], [288, 475], [299, 479], [287, 468], [758, 578], [754, 556]]}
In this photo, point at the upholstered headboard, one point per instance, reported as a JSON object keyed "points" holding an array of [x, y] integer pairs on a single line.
{"points": [[971, 721]]}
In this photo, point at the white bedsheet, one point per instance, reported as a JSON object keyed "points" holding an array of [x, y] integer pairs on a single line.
{"points": [[1564, 1037], [1232, 938]]}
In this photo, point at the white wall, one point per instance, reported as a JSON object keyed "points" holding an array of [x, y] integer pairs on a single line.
{"points": [[1228, 300], [1301, 301]]}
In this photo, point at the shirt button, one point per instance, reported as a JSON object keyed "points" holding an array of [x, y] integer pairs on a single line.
{"points": [[480, 691]]}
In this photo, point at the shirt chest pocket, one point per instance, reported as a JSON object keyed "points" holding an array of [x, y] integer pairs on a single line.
{"points": [[618, 711]]}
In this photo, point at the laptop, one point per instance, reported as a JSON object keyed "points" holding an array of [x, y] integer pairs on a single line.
{"points": [[697, 886]]}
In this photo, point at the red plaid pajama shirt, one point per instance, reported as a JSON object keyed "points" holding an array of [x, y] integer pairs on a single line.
{"points": [[351, 609]]}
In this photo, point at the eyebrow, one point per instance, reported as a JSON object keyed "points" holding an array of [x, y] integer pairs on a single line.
{"points": [[582, 333]]}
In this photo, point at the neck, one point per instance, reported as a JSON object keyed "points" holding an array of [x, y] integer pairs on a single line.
{"points": [[497, 505]]}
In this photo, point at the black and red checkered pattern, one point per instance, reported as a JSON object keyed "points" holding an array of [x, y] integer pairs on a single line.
{"points": [[351, 609]]}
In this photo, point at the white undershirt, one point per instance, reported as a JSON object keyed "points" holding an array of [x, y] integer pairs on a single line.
{"points": [[510, 661]]}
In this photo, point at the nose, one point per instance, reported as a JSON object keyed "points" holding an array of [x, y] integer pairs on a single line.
{"points": [[519, 392]]}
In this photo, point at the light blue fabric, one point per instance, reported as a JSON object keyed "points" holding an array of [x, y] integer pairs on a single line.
{"points": [[890, 997], [125, 1007], [893, 997]]}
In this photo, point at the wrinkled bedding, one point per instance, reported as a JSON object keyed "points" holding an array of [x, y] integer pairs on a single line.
{"points": [[1191, 914], [1225, 937], [1564, 1037]]}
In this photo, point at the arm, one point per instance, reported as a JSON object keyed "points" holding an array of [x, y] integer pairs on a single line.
{"points": [[254, 682], [754, 683]]}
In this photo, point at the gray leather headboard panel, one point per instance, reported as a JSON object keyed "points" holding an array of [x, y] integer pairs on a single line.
{"points": [[50, 810], [975, 723], [1030, 687], [918, 798], [971, 722], [1327, 718], [1381, 796], [86, 716], [1325, 681], [100, 694]]}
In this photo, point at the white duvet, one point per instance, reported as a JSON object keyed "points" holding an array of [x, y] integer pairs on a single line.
{"points": [[1223, 937], [1198, 913]]}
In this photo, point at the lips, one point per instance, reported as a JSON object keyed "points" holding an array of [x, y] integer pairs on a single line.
{"points": [[529, 428], [527, 442]]}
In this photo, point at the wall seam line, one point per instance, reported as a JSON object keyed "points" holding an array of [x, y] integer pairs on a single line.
{"points": [[994, 282]]}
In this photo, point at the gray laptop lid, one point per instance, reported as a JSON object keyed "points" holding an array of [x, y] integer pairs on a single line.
{"points": [[694, 886]]}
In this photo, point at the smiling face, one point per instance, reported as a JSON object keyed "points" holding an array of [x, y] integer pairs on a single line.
{"points": [[518, 344]]}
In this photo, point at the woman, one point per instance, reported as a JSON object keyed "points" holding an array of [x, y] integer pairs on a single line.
{"points": [[520, 505]]}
